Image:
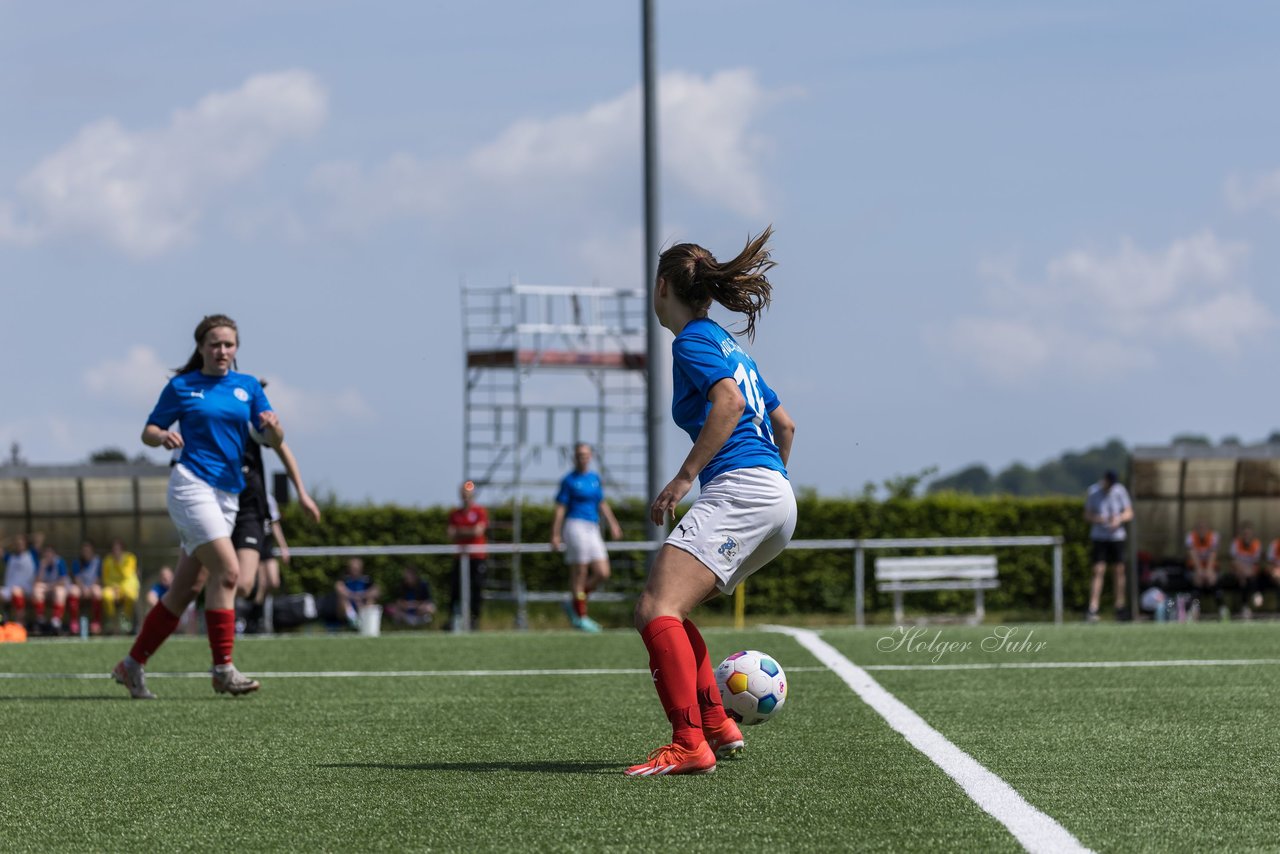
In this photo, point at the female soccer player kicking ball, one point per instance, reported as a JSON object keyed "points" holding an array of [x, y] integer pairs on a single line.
{"points": [[214, 407], [745, 513]]}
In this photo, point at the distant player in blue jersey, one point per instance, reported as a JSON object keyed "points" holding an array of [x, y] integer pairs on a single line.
{"points": [[579, 506], [745, 513], [50, 589], [214, 406]]}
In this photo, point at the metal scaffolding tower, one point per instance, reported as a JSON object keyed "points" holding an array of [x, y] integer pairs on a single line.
{"points": [[547, 367]]}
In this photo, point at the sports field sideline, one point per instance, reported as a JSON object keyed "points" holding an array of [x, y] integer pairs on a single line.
{"points": [[1035, 737]]}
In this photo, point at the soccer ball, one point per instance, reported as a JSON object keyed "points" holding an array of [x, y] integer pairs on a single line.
{"points": [[752, 686]]}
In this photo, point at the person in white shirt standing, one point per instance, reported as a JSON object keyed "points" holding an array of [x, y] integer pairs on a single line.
{"points": [[1107, 507]]}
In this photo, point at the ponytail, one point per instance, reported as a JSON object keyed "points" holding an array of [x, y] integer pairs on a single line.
{"points": [[739, 285]]}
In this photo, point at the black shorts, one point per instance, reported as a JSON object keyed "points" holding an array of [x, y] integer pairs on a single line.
{"points": [[1107, 551], [251, 533]]}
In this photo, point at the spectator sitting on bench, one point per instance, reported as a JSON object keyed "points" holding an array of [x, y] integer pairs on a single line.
{"points": [[415, 605], [355, 590], [1202, 560], [1246, 559]]}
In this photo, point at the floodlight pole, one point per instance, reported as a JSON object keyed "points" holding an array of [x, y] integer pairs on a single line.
{"points": [[655, 361]]}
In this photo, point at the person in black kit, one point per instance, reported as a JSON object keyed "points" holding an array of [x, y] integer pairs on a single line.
{"points": [[251, 536]]}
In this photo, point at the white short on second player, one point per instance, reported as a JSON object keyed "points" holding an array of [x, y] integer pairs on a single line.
{"points": [[583, 542], [742, 519], [201, 513]]}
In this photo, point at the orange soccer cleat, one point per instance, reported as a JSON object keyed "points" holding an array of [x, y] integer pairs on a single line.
{"points": [[725, 739], [675, 759]]}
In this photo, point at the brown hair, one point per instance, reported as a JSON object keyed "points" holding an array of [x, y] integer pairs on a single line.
{"points": [[739, 285], [210, 321]]}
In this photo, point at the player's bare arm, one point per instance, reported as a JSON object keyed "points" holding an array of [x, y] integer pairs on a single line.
{"points": [[727, 406], [158, 437], [784, 431], [295, 476]]}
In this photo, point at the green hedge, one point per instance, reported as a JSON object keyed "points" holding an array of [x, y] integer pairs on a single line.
{"points": [[798, 582]]}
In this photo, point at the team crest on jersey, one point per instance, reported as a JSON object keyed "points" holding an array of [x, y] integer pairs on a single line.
{"points": [[241, 395], [729, 549]]}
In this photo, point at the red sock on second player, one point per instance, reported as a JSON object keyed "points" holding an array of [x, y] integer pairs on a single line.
{"points": [[580, 604], [709, 702], [674, 669], [221, 624], [156, 628]]}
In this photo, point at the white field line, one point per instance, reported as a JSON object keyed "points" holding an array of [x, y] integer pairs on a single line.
{"points": [[1034, 830], [348, 674], [1058, 665]]}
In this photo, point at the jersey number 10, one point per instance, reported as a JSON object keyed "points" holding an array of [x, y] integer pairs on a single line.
{"points": [[750, 384]]}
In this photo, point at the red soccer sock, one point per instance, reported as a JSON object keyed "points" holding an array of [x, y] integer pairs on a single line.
{"points": [[156, 628], [674, 672], [40, 610], [74, 603], [19, 601], [221, 623], [580, 604], [59, 608], [709, 702], [96, 610]]}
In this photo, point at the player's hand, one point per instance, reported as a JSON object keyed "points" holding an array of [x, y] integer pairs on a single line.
{"points": [[615, 532], [269, 426], [313, 510], [665, 504], [170, 440], [555, 543], [284, 554]]}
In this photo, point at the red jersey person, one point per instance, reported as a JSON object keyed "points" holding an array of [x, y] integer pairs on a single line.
{"points": [[1246, 564], [1202, 560], [1272, 571], [468, 526]]}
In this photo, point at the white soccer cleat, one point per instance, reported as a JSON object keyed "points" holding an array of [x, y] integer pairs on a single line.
{"points": [[129, 674], [228, 680]]}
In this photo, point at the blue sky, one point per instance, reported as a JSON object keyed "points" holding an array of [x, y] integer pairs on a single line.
{"points": [[1003, 229]]}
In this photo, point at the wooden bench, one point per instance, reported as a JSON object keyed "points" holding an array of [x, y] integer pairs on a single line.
{"points": [[898, 575]]}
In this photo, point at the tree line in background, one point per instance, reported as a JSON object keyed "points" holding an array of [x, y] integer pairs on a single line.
{"points": [[1070, 474], [796, 582]]}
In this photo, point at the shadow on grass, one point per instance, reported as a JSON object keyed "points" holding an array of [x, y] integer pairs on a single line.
{"points": [[72, 698], [487, 767]]}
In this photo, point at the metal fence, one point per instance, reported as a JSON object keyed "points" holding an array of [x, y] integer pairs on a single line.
{"points": [[859, 548]]}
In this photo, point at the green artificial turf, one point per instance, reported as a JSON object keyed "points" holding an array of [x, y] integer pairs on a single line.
{"points": [[1174, 758]]}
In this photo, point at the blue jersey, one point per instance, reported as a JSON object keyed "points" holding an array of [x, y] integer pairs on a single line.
{"points": [[358, 584], [86, 572], [581, 494], [213, 413], [702, 355], [51, 573]]}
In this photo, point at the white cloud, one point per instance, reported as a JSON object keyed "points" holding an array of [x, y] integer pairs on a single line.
{"points": [[1246, 194], [134, 379], [1006, 349], [1096, 314], [710, 151], [137, 378], [316, 411], [144, 191]]}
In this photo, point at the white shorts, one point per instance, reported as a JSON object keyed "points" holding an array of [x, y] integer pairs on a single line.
{"points": [[583, 542], [742, 520], [202, 513], [17, 580]]}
